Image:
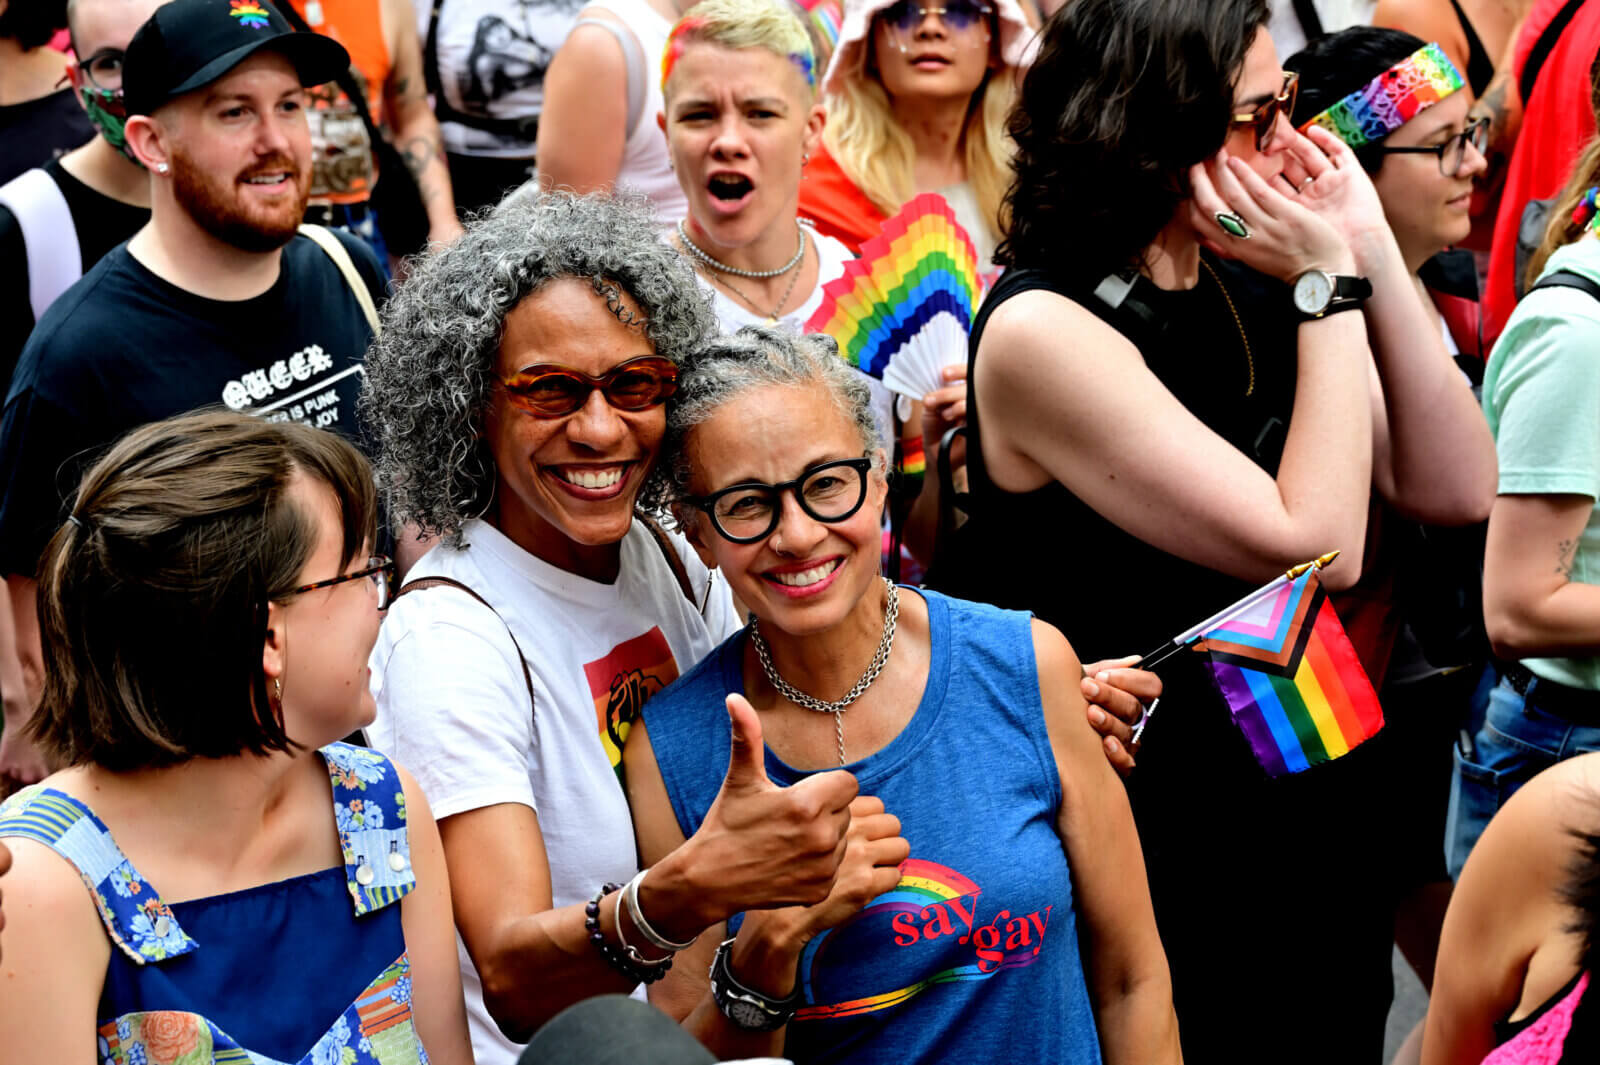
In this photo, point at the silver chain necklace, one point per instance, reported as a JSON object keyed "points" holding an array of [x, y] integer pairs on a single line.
{"points": [[811, 702], [755, 275]]}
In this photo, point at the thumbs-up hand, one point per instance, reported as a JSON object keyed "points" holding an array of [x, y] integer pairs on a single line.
{"points": [[874, 849], [768, 846]]}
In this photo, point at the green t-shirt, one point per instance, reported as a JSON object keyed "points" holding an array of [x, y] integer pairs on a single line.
{"points": [[1541, 394]]}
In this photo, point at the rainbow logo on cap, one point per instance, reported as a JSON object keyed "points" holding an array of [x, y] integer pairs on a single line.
{"points": [[249, 13]]}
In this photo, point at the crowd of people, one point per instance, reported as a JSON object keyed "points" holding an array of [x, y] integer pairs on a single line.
{"points": [[412, 429]]}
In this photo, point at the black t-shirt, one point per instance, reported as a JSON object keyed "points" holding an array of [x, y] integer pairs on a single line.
{"points": [[101, 222], [123, 347], [36, 131]]}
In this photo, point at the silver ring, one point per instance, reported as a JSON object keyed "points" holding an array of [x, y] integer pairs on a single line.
{"points": [[1233, 225], [1306, 182]]}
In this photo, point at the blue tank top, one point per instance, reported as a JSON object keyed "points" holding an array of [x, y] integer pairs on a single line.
{"points": [[311, 970], [974, 955]]}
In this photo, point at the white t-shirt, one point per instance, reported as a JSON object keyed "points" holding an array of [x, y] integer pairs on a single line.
{"points": [[831, 257], [453, 706], [1289, 36]]}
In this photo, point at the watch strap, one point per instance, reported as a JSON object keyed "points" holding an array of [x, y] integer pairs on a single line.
{"points": [[729, 994], [1346, 287]]}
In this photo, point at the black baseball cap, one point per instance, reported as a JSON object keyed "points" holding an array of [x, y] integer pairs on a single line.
{"points": [[188, 44]]}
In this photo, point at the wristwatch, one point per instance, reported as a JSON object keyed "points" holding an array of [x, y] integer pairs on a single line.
{"points": [[1318, 293], [750, 1010]]}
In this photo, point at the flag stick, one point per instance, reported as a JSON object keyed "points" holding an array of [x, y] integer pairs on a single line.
{"points": [[1186, 639]]}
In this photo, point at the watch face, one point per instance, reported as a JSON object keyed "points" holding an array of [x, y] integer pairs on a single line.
{"points": [[1313, 291], [748, 1015]]}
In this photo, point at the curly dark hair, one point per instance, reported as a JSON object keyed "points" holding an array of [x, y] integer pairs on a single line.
{"points": [[430, 372], [1124, 97], [1334, 66]]}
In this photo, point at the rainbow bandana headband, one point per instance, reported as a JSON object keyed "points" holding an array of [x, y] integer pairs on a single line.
{"points": [[1393, 98]]}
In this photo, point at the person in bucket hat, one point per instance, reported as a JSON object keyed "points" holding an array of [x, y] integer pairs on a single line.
{"points": [[917, 97]]}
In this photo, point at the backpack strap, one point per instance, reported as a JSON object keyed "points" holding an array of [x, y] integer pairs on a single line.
{"points": [[48, 235], [1542, 48], [340, 255], [1568, 279], [434, 582], [674, 560]]}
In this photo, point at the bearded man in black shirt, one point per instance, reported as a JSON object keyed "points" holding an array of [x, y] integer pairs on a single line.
{"points": [[216, 300]]}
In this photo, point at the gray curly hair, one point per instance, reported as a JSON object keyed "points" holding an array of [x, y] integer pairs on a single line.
{"points": [[754, 357], [430, 374]]}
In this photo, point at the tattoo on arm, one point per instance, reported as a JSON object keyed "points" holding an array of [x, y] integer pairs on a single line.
{"points": [[1566, 552]]}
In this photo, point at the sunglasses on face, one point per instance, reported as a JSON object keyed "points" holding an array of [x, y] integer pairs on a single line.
{"points": [[551, 391], [904, 16], [747, 512], [1264, 119], [103, 69], [1453, 152]]}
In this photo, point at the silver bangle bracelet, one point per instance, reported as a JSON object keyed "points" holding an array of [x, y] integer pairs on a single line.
{"points": [[628, 948], [654, 938]]}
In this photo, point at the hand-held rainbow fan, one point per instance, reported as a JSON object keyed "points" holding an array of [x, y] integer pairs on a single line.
{"points": [[904, 309]]}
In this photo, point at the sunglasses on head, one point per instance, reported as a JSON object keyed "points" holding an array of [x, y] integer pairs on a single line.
{"points": [[551, 391], [957, 15], [1264, 119]]}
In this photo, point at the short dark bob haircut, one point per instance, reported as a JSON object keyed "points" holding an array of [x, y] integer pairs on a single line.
{"points": [[153, 595], [1124, 97], [1335, 66]]}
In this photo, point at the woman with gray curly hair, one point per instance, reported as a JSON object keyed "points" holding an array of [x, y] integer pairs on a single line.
{"points": [[777, 477], [519, 395]]}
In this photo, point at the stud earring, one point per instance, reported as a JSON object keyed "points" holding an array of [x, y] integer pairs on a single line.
{"points": [[161, 168]]}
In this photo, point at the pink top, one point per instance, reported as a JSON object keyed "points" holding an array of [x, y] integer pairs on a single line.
{"points": [[1542, 1041]]}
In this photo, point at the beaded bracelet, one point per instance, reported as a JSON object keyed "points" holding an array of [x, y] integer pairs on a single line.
{"points": [[644, 974]]}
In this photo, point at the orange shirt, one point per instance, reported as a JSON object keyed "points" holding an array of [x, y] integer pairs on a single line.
{"points": [[832, 201]]}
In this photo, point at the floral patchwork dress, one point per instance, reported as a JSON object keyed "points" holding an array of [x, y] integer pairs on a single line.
{"points": [[310, 970]]}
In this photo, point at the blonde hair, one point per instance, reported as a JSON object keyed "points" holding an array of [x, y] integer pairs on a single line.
{"points": [[877, 155], [738, 24], [1561, 230]]}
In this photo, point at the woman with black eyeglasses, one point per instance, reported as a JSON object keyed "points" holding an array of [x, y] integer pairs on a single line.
{"points": [[1167, 407], [1021, 908], [520, 394], [212, 876]]}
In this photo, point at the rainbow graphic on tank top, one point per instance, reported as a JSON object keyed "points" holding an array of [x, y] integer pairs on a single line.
{"points": [[931, 901]]}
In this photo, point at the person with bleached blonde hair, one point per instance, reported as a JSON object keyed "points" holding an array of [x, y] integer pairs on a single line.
{"points": [[917, 98]]}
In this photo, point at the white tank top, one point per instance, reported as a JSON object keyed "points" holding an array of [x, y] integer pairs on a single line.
{"points": [[644, 157]]}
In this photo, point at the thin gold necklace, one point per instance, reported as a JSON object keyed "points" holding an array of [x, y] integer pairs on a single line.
{"points": [[1249, 361], [794, 279]]}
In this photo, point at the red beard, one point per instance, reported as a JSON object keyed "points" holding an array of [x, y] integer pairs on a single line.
{"points": [[220, 208]]}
